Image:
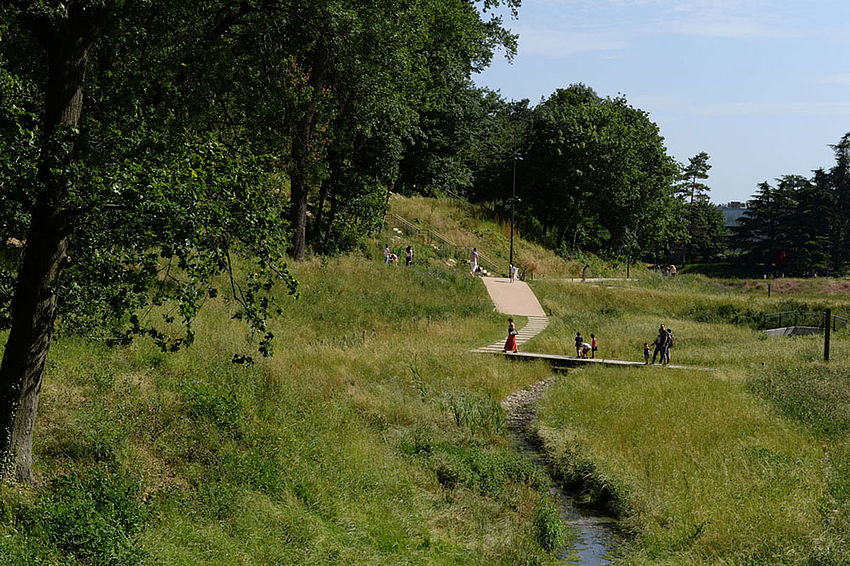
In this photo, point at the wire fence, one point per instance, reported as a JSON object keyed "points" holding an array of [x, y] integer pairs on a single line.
{"points": [[812, 319]]}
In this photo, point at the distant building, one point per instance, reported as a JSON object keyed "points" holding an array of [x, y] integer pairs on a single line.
{"points": [[732, 212]]}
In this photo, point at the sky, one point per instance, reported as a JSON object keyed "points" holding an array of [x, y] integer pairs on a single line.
{"points": [[762, 86]]}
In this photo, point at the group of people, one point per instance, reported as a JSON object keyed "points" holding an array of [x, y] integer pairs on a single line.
{"points": [[585, 349], [663, 343], [390, 257]]}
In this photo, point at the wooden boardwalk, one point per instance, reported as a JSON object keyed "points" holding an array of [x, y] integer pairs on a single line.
{"points": [[572, 361]]}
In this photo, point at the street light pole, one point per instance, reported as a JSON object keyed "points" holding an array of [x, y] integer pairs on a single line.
{"points": [[513, 204]]}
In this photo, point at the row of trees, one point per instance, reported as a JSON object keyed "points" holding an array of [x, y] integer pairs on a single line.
{"points": [[592, 174], [143, 143], [801, 225]]}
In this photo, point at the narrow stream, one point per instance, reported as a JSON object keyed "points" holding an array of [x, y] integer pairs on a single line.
{"points": [[596, 533]]}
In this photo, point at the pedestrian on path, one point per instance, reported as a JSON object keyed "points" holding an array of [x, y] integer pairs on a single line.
{"points": [[473, 261], [387, 254], [646, 353], [660, 344], [408, 255], [510, 343], [668, 346], [593, 346], [511, 272], [579, 342]]}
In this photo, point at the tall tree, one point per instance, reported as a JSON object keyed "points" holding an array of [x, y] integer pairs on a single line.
{"points": [[691, 190], [123, 199]]}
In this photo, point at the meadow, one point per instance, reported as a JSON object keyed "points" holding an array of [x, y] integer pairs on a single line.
{"points": [[371, 437], [745, 464], [374, 437]]}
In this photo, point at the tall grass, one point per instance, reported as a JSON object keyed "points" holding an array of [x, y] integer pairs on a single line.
{"points": [[371, 437], [743, 465]]}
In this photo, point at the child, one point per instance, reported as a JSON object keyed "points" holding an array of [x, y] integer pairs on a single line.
{"points": [[593, 346], [579, 342], [646, 353], [585, 348]]}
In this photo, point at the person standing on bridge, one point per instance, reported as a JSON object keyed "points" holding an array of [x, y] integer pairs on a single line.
{"points": [[660, 345], [473, 261], [510, 343], [579, 342]]}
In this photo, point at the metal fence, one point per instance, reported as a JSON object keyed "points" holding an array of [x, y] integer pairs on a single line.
{"points": [[813, 319], [442, 246]]}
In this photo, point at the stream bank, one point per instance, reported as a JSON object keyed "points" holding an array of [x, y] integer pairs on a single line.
{"points": [[596, 535]]}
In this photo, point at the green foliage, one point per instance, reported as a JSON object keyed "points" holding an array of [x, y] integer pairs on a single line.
{"points": [[605, 160], [801, 225], [549, 528], [94, 516], [221, 408], [479, 416]]}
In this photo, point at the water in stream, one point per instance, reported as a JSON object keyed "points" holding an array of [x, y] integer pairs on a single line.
{"points": [[596, 533]]}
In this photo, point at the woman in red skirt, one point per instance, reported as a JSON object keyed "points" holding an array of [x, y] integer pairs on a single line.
{"points": [[510, 343]]}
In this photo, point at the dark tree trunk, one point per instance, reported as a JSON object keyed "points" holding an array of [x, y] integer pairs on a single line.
{"points": [[300, 178], [67, 42]]}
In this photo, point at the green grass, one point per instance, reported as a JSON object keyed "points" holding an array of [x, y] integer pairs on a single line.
{"points": [[743, 465], [339, 449]]}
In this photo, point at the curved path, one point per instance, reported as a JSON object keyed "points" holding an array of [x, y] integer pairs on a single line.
{"points": [[516, 299]]}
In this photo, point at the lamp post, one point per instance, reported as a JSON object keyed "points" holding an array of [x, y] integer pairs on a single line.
{"points": [[513, 205]]}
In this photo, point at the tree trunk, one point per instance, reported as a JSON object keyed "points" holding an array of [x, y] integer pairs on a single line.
{"points": [[300, 178], [67, 42]]}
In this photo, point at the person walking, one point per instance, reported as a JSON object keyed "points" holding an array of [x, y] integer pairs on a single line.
{"points": [[408, 255], [387, 254], [593, 346], [510, 343], [579, 342], [473, 261], [646, 353], [668, 346], [660, 343], [511, 272]]}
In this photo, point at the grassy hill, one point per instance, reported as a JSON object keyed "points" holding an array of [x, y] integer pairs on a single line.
{"points": [[374, 437], [371, 437]]}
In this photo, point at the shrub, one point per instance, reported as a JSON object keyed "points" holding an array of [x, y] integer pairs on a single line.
{"points": [[93, 516]]}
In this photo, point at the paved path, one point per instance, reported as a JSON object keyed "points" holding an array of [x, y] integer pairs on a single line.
{"points": [[518, 299], [515, 298]]}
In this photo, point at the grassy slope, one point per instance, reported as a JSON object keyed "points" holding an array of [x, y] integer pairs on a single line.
{"points": [[469, 226], [744, 465], [336, 450]]}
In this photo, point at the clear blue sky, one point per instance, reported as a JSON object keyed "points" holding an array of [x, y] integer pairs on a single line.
{"points": [[763, 87]]}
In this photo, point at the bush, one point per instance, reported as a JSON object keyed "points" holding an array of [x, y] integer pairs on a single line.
{"points": [[93, 516]]}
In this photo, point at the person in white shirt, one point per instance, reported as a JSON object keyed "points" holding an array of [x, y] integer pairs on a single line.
{"points": [[473, 261], [387, 254]]}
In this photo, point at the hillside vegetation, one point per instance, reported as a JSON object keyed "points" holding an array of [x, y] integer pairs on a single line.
{"points": [[371, 437], [745, 464]]}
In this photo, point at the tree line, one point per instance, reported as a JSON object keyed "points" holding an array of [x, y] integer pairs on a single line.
{"points": [[801, 225]]}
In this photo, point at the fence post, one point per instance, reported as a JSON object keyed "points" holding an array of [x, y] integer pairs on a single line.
{"points": [[828, 315], [768, 290]]}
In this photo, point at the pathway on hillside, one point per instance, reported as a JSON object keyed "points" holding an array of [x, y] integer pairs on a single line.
{"points": [[516, 299]]}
